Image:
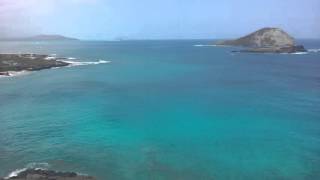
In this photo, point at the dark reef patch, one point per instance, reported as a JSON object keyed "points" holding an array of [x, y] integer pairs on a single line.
{"points": [[40, 174]]}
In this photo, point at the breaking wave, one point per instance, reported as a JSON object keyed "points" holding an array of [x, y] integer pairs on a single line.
{"points": [[206, 45], [300, 53], [84, 63], [314, 50], [70, 60], [14, 74], [15, 173], [309, 51]]}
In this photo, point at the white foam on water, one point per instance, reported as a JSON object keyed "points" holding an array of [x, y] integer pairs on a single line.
{"points": [[205, 45], [15, 173], [50, 58], [41, 165], [15, 73], [36, 166], [296, 53], [72, 64], [300, 53], [314, 50], [85, 63]]}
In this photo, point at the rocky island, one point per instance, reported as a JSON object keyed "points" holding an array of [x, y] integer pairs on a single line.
{"points": [[40, 174], [28, 62], [266, 40]]}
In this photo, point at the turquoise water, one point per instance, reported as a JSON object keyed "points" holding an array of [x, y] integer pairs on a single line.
{"points": [[164, 110]]}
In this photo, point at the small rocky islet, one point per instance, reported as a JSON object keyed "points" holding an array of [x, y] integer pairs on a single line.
{"points": [[28, 62], [266, 40], [41, 174]]}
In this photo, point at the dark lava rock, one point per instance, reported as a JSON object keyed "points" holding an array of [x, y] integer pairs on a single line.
{"points": [[4, 74], [289, 49], [28, 62], [39, 174], [266, 40]]}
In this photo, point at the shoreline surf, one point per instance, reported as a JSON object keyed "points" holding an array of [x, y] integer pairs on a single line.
{"points": [[15, 59]]}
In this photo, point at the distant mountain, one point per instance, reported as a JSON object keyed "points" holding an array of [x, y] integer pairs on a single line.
{"points": [[266, 40], [51, 38], [41, 38]]}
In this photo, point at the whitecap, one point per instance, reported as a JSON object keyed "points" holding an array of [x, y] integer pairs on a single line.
{"points": [[15, 73], [50, 58], [205, 45], [15, 173], [300, 53], [314, 50], [34, 165], [84, 63]]}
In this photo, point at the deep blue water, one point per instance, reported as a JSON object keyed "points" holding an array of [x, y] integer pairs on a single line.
{"points": [[164, 110]]}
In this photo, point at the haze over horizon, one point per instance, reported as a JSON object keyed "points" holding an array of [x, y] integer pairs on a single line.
{"points": [[166, 19]]}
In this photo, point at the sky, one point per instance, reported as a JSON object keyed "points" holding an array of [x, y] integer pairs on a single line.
{"points": [[157, 19]]}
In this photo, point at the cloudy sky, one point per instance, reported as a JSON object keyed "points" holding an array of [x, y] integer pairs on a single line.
{"points": [[157, 19]]}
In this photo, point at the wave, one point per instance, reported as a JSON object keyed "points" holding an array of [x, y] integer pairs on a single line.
{"points": [[50, 58], [300, 53], [206, 45], [314, 50], [15, 173], [308, 51], [85, 63], [73, 61], [15, 73], [34, 169], [72, 64]]}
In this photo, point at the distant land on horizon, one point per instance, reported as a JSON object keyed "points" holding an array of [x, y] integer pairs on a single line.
{"points": [[42, 37]]}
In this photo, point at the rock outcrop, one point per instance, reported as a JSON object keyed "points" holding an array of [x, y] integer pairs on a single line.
{"points": [[286, 49], [266, 40], [40, 174], [28, 62]]}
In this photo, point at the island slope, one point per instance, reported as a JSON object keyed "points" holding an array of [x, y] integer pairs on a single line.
{"points": [[266, 40]]}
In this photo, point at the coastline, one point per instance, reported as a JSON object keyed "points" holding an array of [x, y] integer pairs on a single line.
{"points": [[15, 74], [12, 65]]}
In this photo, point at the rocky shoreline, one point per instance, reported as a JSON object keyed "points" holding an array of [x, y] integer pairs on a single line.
{"points": [[28, 62], [41, 174], [287, 50]]}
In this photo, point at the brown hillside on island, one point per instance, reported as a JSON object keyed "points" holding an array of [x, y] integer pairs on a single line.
{"points": [[266, 40]]}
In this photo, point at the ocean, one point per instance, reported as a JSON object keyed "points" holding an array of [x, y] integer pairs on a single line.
{"points": [[164, 110]]}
